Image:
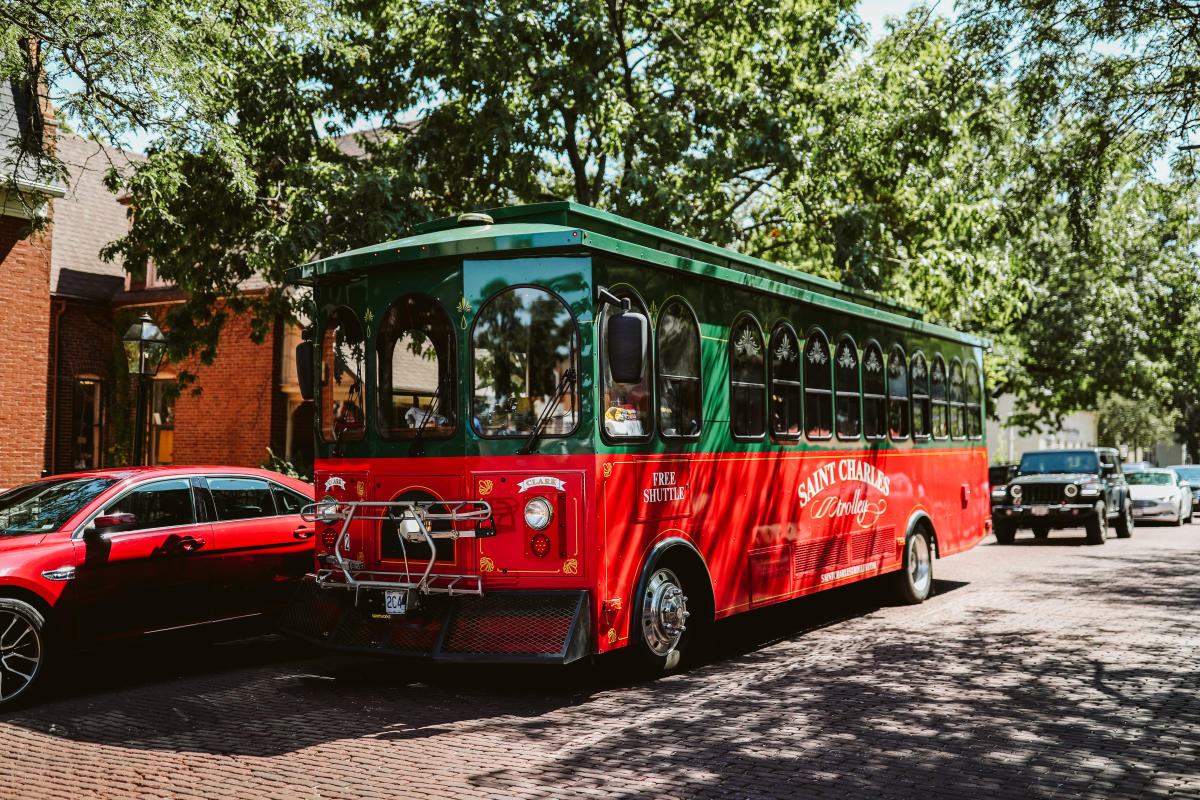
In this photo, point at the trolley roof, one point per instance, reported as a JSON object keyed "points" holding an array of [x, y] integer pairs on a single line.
{"points": [[563, 224]]}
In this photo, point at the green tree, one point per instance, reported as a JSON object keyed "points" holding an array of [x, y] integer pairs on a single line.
{"points": [[1136, 423]]}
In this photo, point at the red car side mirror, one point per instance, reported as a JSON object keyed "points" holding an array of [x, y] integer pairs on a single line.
{"points": [[109, 521]]}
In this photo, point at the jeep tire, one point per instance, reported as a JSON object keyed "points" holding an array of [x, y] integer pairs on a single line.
{"points": [[1124, 523], [1097, 526], [1005, 531]]}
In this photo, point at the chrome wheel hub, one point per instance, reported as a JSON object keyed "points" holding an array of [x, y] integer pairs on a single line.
{"points": [[20, 654], [920, 565], [664, 612]]}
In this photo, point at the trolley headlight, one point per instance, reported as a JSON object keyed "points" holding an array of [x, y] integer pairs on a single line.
{"points": [[1070, 490], [327, 510], [538, 513], [1015, 491]]}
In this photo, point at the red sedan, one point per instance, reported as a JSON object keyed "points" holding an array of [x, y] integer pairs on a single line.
{"points": [[94, 556]]}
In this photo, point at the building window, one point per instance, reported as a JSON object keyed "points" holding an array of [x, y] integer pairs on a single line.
{"points": [[87, 429], [921, 414], [937, 396], [958, 409], [818, 387], [626, 406], [747, 379], [974, 404], [415, 355], [874, 386], [162, 422], [785, 383], [680, 395], [897, 388], [340, 388]]}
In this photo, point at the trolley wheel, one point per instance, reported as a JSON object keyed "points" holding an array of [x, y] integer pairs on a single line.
{"points": [[1005, 532], [1097, 526], [661, 620], [913, 583], [22, 648], [1041, 531]]}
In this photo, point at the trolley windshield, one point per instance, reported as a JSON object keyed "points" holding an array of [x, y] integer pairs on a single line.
{"points": [[525, 342]]}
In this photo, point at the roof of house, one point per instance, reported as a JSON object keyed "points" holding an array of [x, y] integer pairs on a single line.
{"points": [[87, 218], [17, 162]]}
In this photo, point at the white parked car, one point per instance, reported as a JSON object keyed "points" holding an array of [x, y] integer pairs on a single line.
{"points": [[1159, 494]]}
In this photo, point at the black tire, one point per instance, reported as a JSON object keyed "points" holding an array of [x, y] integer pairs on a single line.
{"points": [[1097, 526], [660, 619], [914, 582], [1124, 524], [22, 649], [1005, 532], [1041, 531]]}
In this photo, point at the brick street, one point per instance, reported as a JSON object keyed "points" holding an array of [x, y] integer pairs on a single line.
{"points": [[1039, 670]]}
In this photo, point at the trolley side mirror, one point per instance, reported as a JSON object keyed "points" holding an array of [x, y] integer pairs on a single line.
{"points": [[304, 365], [627, 336]]}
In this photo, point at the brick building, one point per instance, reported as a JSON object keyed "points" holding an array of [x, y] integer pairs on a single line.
{"points": [[66, 401], [24, 283]]}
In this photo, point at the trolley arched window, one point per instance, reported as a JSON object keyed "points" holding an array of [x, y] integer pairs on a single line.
{"points": [[874, 387], [747, 379], [340, 390], [785, 383], [958, 408], [974, 404], [526, 354], [680, 395], [897, 389], [818, 387], [846, 389], [922, 422], [625, 410], [937, 396], [415, 370]]}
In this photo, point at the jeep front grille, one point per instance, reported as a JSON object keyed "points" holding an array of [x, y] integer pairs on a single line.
{"points": [[1033, 493]]}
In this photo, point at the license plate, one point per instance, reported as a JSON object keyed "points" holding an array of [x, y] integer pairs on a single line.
{"points": [[1040, 511], [395, 602]]}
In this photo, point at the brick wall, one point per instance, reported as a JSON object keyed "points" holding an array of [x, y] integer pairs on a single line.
{"points": [[234, 419], [24, 332]]}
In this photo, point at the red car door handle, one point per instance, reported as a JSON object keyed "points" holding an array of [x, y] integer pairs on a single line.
{"points": [[190, 544], [304, 533]]}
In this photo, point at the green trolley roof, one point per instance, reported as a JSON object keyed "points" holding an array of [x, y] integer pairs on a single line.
{"points": [[559, 225]]}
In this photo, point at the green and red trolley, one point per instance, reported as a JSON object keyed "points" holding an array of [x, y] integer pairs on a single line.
{"points": [[547, 432]]}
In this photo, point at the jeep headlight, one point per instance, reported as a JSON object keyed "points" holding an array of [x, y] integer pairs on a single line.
{"points": [[1070, 490], [1016, 493]]}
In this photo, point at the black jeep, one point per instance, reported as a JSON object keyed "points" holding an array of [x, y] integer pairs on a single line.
{"points": [[1064, 489]]}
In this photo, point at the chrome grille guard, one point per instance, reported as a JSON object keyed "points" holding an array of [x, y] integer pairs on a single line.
{"points": [[412, 526]]}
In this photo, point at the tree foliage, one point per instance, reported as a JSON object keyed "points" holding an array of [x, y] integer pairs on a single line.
{"points": [[995, 171]]}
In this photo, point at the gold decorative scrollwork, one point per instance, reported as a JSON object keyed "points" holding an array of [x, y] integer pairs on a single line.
{"points": [[486, 565], [612, 635], [464, 308], [361, 488], [485, 487], [608, 469], [571, 567]]}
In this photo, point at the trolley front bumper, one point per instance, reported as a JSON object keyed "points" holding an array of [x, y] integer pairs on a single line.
{"points": [[501, 626]]}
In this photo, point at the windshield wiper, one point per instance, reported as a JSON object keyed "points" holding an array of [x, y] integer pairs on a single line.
{"points": [[566, 380], [415, 449]]}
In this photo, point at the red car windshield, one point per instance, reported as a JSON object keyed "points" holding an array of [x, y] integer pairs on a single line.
{"points": [[46, 506]]}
